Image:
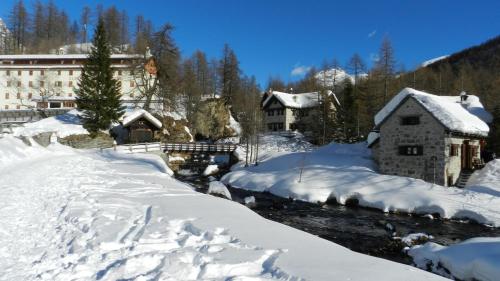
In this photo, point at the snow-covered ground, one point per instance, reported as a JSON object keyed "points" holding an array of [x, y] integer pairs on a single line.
{"points": [[62, 125], [90, 215], [486, 180], [473, 259], [346, 171]]}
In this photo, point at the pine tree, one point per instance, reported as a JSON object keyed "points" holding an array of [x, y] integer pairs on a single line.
{"points": [[99, 93]]}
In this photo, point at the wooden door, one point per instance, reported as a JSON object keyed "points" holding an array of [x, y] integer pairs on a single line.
{"points": [[467, 155]]}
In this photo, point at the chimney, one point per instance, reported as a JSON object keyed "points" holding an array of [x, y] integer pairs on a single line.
{"points": [[463, 97]]}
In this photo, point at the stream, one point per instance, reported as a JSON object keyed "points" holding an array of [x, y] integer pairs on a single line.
{"points": [[364, 230]]}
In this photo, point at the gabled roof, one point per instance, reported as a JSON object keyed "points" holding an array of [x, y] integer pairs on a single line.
{"points": [[467, 117], [301, 100], [140, 113]]}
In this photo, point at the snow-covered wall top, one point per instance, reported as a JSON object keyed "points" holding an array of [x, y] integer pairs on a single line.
{"points": [[130, 117], [468, 117], [302, 100]]}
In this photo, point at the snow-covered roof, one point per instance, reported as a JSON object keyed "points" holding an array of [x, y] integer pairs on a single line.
{"points": [[372, 138], [300, 100], [467, 117], [130, 117]]}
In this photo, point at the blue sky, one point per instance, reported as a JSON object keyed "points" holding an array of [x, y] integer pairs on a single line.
{"points": [[276, 37]]}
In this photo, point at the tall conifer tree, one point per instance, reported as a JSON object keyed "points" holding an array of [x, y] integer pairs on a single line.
{"points": [[99, 93]]}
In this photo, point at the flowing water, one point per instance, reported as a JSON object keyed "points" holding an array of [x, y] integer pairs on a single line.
{"points": [[363, 230]]}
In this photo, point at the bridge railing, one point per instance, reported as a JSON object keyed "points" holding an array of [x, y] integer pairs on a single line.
{"points": [[139, 147], [199, 147], [176, 147]]}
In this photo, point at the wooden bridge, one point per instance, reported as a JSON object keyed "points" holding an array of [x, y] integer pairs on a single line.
{"points": [[191, 147]]}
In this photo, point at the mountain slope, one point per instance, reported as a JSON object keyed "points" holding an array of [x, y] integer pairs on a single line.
{"points": [[485, 56]]}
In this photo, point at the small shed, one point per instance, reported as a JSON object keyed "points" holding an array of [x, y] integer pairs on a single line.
{"points": [[141, 126]]}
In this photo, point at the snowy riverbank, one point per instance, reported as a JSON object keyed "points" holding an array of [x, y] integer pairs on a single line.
{"points": [[344, 172], [87, 215]]}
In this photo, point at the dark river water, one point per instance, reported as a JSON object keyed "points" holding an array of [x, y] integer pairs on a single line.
{"points": [[363, 230]]}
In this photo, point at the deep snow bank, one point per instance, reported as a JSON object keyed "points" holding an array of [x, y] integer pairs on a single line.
{"points": [[344, 171], [63, 125], [486, 180], [473, 259], [89, 215]]}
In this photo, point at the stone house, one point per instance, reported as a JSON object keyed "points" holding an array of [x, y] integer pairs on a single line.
{"points": [[282, 111], [435, 138]]}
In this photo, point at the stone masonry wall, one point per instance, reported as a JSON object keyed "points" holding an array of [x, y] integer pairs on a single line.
{"points": [[429, 134]]}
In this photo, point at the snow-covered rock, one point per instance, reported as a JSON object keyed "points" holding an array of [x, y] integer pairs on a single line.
{"points": [[347, 171], [473, 259], [210, 170], [413, 238], [176, 159], [249, 201], [218, 188]]}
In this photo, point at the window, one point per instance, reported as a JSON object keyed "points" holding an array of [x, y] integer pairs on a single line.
{"points": [[411, 150], [18, 106], [132, 84], [454, 148], [42, 72], [270, 112], [131, 95], [42, 83], [19, 83], [70, 83], [119, 73], [410, 120], [31, 72], [280, 111], [6, 96], [70, 94], [30, 96], [280, 126], [71, 73], [18, 96], [8, 83], [58, 83], [19, 73], [58, 94], [58, 72], [6, 107], [7, 72], [30, 83]]}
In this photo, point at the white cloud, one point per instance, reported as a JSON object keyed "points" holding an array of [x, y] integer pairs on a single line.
{"points": [[299, 70], [374, 57], [371, 34]]}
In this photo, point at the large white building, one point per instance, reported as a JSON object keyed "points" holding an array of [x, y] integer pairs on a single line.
{"points": [[50, 81]]}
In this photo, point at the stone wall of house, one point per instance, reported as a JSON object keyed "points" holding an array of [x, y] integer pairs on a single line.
{"points": [[429, 134]]}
